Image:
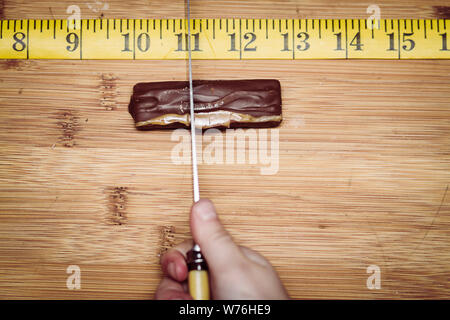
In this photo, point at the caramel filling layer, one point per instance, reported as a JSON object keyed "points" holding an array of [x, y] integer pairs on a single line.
{"points": [[208, 120]]}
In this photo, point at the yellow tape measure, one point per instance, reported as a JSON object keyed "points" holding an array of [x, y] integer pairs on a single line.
{"points": [[225, 39]]}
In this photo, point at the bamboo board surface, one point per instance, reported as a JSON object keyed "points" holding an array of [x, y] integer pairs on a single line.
{"points": [[364, 166]]}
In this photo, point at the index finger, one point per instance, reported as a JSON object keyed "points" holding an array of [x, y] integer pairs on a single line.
{"points": [[173, 262]]}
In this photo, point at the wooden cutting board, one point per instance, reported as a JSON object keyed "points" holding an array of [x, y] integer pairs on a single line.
{"points": [[363, 178]]}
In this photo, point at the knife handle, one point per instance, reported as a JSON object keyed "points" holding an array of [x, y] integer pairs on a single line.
{"points": [[198, 278]]}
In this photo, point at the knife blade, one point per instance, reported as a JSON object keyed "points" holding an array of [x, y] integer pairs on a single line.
{"points": [[192, 114], [198, 278]]}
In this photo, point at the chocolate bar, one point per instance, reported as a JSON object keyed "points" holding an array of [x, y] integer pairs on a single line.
{"points": [[217, 104]]}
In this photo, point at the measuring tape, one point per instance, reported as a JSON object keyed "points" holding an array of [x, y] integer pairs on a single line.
{"points": [[225, 39]]}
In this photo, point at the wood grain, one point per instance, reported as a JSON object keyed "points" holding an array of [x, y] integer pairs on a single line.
{"points": [[363, 177]]}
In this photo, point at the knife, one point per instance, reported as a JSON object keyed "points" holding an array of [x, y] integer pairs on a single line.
{"points": [[198, 279]]}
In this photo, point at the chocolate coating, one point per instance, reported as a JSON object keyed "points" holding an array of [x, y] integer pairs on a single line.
{"points": [[217, 104]]}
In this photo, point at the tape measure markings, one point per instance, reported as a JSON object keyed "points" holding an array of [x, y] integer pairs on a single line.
{"points": [[217, 39]]}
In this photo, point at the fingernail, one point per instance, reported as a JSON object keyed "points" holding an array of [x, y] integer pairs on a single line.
{"points": [[205, 210], [171, 269]]}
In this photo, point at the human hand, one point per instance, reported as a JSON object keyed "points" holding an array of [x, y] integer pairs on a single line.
{"points": [[236, 273]]}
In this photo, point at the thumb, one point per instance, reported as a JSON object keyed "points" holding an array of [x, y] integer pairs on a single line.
{"points": [[215, 242]]}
